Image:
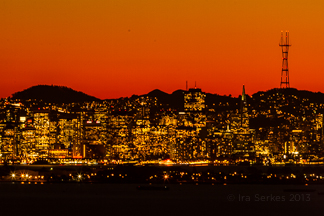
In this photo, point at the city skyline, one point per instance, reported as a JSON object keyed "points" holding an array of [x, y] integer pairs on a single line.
{"points": [[153, 90], [116, 49], [145, 93], [191, 126]]}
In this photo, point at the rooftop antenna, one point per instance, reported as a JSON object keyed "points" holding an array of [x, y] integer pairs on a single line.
{"points": [[195, 85]]}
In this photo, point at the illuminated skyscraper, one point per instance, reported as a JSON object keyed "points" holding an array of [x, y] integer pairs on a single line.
{"points": [[242, 135], [240, 120], [94, 141], [120, 127], [28, 140], [42, 133], [194, 107], [194, 100], [244, 115], [191, 129], [68, 131]]}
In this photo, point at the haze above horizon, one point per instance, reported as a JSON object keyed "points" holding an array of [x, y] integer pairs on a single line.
{"points": [[112, 49]]}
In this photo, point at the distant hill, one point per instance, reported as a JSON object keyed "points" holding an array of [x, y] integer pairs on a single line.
{"points": [[287, 100], [176, 101], [315, 97], [262, 100], [53, 94]]}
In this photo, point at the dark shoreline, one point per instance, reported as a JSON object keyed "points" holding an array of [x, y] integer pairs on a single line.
{"points": [[123, 174], [126, 199]]}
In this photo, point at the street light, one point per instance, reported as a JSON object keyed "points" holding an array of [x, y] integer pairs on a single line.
{"points": [[79, 177]]}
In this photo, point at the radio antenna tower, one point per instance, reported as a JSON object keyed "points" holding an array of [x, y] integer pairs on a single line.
{"points": [[284, 44]]}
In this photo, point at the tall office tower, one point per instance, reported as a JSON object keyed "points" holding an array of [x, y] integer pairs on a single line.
{"points": [[42, 132], [194, 107], [120, 127], [167, 128], [242, 135], [67, 133], [240, 119], [8, 141], [194, 100], [191, 128], [9, 130], [28, 139], [244, 115], [94, 141]]}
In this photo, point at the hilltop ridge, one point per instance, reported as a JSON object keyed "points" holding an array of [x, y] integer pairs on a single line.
{"points": [[62, 94], [53, 94]]}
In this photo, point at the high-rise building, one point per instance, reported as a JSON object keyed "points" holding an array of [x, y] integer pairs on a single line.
{"points": [[242, 135], [42, 132], [244, 115], [191, 131], [194, 100], [94, 142], [120, 134]]}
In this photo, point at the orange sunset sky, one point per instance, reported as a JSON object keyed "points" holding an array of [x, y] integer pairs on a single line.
{"points": [[116, 48]]}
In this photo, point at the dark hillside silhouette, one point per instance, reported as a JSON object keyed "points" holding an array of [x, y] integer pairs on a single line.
{"points": [[53, 94]]}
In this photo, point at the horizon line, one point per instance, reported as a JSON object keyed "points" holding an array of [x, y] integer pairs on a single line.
{"points": [[229, 95]]}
